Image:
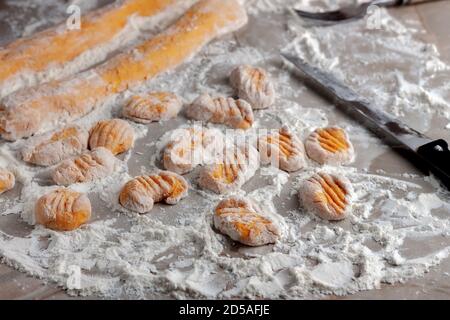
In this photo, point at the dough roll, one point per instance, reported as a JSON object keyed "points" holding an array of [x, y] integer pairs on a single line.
{"points": [[59, 51], [50, 105]]}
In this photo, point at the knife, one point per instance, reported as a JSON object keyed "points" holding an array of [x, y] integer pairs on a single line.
{"points": [[428, 155]]}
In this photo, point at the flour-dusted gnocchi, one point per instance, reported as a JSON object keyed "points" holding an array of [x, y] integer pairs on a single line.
{"points": [[154, 106], [63, 210], [116, 135], [90, 166], [7, 180], [231, 171], [282, 149], [55, 147], [330, 146], [243, 221], [236, 114], [142, 192], [329, 196], [253, 85], [190, 147]]}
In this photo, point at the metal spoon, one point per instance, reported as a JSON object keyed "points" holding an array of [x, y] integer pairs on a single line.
{"points": [[350, 13]]}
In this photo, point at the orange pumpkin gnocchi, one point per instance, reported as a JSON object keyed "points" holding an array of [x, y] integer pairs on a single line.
{"points": [[330, 146], [190, 147], [253, 85], [141, 193], [328, 196], [154, 106], [237, 114], [116, 135], [63, 210], [283, 149], [52, 148], [242, 220], [93, 165], [237, 166], [7, 180]]}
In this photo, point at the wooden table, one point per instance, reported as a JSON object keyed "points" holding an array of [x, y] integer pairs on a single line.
{"points": [[435, 285]]}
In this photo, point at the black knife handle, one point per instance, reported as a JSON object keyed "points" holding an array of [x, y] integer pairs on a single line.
{"points": [[408, 2], [412, 2], [436, 157]]}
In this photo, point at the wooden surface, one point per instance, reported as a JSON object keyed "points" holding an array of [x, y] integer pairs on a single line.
{"points": [[434, 17]]}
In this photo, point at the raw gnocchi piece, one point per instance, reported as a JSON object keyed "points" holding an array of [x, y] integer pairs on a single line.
{"points": [[92, 165], [253, 85], [63, 210], [53, 148], [7, 180], [330, 146], [242, 220], [154, 106], [190, 147], [237, 166], [237, 114], [282, 149], [141, 193], [328, 196], [116, 135]]}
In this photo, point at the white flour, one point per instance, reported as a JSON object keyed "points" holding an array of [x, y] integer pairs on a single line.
{"points": [[175, 252]]}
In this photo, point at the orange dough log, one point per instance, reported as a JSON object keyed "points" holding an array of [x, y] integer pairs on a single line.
{"points": [[45, 107], [25, 62]]}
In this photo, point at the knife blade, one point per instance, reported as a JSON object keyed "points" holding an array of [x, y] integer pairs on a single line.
{"points": [[428, 155]]}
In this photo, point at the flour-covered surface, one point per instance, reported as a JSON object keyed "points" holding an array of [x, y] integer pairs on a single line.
{"points": [[400, 225]]}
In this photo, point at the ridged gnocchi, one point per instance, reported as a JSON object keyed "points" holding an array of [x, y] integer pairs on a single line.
{"points": [[253, 85], [242, 220], [330, 146], [116, 135], [282, 149], [329, 196], [53, 148], [92, 165], [236, 114], [63, 210], [237, 165], [190, 147], [141, 193], [155, 106]]}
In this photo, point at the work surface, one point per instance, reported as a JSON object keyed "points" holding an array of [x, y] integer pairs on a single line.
{"points": [[433, 18]]}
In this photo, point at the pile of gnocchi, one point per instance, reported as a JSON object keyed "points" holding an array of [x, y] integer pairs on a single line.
{"points": [[78, 155]]}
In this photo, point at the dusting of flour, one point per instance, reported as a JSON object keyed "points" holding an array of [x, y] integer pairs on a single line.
{"points": [[175, 252]]}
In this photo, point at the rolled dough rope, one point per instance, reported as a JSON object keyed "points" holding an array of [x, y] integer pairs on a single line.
{"points": [[47, 106], [59, 52]]}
